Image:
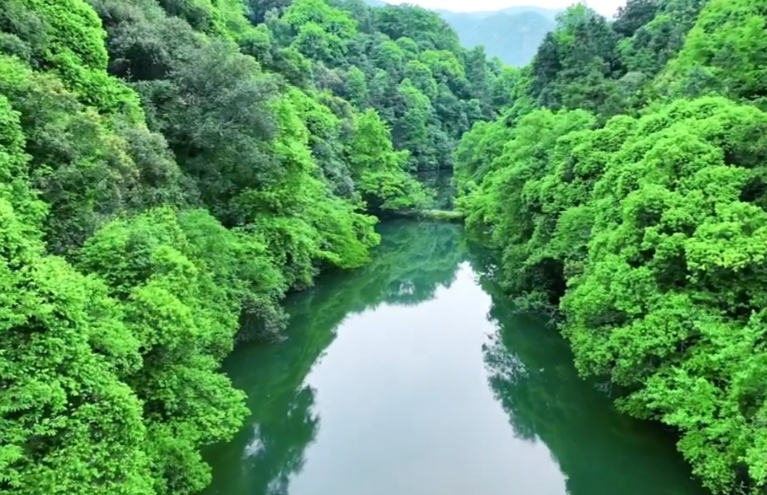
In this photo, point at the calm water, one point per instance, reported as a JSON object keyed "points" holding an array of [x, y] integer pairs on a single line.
{"points": [[410, 377]]}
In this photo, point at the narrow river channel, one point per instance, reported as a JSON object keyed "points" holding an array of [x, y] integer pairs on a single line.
{"points": [[411, 376]]}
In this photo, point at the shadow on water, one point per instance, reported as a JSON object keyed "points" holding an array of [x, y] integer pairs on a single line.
{"points": [[529, 370]]}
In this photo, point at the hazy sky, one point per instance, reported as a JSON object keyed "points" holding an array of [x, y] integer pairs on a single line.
{"points": [[605, 7]]}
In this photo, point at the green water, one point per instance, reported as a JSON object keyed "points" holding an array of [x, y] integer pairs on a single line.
{"points": [[411, 377]]}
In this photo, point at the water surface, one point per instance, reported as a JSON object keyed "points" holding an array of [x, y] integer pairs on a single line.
{"points": [[412, 377]]}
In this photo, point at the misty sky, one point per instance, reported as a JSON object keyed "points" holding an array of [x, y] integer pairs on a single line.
{"points": [[604, 7]]}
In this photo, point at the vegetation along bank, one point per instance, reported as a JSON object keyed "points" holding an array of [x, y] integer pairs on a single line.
{"points": [[626, 186]]}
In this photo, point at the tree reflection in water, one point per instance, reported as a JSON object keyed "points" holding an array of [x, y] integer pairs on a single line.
{"points": [[529, 368], [413, 261]]}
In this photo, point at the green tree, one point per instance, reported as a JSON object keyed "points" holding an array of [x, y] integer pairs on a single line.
{"points": [[723, 53], [64, 348]]}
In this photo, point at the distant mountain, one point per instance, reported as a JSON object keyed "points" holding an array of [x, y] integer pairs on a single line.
{"points": [[547, 13], [512, 34]]}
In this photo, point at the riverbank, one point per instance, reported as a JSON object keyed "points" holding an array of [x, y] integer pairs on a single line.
{"points": [[433, 215]]}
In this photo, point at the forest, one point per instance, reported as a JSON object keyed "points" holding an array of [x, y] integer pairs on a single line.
{"points": [[172, 168], [625, 188]]}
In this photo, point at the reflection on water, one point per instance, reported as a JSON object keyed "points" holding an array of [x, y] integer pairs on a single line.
{"points": [[440, 182], [412, 376]]}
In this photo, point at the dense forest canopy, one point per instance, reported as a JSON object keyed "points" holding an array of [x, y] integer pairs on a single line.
{"points": [[626, 189], [171, 168]]}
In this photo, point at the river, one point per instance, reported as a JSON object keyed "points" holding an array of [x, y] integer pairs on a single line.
{"points": [[411, 376]]}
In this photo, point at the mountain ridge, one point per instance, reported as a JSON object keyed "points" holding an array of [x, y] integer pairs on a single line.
{"points": [[511, 10], [512, 33]]}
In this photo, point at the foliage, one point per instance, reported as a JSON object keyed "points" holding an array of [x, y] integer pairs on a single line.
{"points": [[722, 54], [64, 349], [403, 61], [184, 323]]}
